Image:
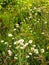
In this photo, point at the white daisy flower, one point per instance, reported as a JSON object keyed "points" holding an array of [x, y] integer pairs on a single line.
{"points": [[30, 41], [45, 22], [36, 51], [34, 45], [42, 33], [17, 25], [9, 52], [34, 8], [15, 42], [10, 35], [5, 42], [2, 41], [14, 29], [42, 50], [27, 56], [15, 58], [30, 53], [21, 41], [21, 47], [32, 48]]}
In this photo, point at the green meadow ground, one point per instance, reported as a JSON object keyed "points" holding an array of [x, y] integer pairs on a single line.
{"points": [[24, 32]]}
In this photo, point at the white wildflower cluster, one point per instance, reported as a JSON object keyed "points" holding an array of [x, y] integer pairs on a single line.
{"points": [[9, 52], [22, 44], [35, 50]]}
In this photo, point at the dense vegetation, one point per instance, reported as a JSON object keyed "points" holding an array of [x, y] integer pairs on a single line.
{"points": [[24, 32]]}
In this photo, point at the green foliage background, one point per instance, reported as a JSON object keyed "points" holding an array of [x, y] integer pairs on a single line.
{"points": [[33, 19]]}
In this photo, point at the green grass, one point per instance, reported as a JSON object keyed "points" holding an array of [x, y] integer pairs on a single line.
{"points": [[24, 32]]}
